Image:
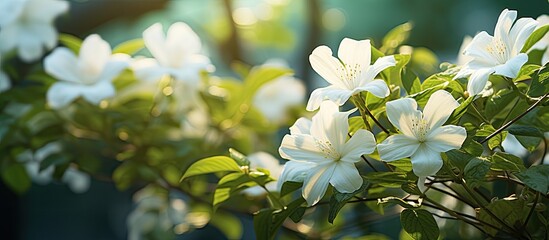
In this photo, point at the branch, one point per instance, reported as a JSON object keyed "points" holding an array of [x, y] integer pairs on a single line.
{"points": [[515, 119]]}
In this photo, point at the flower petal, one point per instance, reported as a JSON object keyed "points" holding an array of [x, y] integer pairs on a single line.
{"points": [[522, 29], [446, 138], [439, 107], [61, 94], [301, 148], [316, 182], [381, 64], [294, 171], [155, 41], [353, 52], [512, 67], [326, 65], [181, 42], [60, 64], [116, 64], [346, 178], [397, 147], [426, 162], [93, 56], [478, 80], [301, 126], [362, 142], [477, 48], [331, 93], [148, 69], [97, 92], [330, 125], [45, 11], [505, 21], [401, 113], [377, 87]]}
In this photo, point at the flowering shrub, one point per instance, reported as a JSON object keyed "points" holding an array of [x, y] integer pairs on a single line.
{"points": [[202, 148]]}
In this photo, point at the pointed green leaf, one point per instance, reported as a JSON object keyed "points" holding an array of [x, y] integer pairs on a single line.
{"points": [[71, 42], [212, 165], [534, 38], [537, 178], [506, 162], [130, 47]]}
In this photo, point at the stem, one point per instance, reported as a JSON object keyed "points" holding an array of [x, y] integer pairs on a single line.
{"points": [[359, 102], [356, 100], [515, 119], [368, 162], [451, 194], [275, 202]]}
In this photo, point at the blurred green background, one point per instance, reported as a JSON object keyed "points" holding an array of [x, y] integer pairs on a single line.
{"points": [[249, 31]]}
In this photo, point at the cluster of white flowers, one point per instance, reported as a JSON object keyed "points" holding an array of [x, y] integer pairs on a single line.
{"points": [[322, 154], [77, 181]]}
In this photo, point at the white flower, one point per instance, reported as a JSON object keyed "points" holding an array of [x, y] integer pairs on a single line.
{"points": [[28, 26], [89, 74], [543, 43], [177, 54], [78, 182], [5, 82], [348, 75], [275, 97], [422, 136], [266, 161], [320, 150], [499, 54]]}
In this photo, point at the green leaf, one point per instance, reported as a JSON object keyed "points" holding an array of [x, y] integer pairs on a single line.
{"points": [[338, 200], [130, 47], [419, 223], [530, 143], [536, 177], [512, 212], [495, 141], [71, 42], [458, 158], [263, 221], [396, 37], [228, 224], [534, 38], [124, 175], [53, 160], [15, 176], [475, 171], [298, 214], [506, 162], [388, 179], [229, 185], [212, 165], [529, 131], [410, 81], [498, 101], [459, 111], [540, 83], [289, 187], [267, 221], [473, 147]]}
